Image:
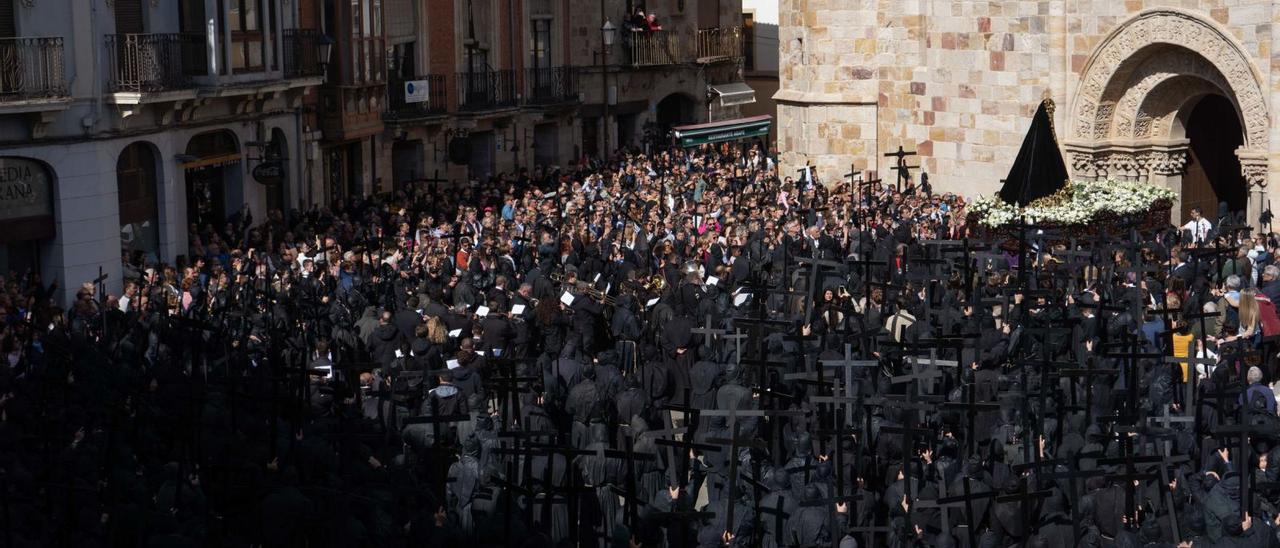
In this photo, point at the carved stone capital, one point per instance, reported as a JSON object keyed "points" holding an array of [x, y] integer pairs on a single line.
{"points": [[1167, 162], [1255, 174], [1254, 166], [1128, 161]]}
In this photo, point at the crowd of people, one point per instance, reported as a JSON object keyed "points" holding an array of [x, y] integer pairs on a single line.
{"points": [[645, 351]]}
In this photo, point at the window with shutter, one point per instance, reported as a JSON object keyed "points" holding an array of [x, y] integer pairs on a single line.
{"points": [[540, 7], [8, 27], [708, 14], [402, 21], [129, 17]]}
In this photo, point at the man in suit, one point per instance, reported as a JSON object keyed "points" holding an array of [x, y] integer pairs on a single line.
{"points": [[408, 318]]}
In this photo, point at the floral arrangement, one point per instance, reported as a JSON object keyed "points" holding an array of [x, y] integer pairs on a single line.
{"points": [[1077, 203]]}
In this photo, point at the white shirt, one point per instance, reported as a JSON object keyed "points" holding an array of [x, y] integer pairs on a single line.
{"points": [[1199, 229]]}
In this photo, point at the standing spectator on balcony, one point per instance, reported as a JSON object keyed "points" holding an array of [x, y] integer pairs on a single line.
{"points": [[651, 23], [637, 22]]}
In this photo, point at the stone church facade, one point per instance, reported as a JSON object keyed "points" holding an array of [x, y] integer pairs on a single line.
{"points": [[1177, 93]]}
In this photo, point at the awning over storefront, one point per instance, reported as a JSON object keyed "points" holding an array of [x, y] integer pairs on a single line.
{"points": [[737, 93], [211, 149], [727, 130]]}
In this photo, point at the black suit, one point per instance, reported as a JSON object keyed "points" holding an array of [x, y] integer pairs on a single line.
{"points": [[407, 321]]}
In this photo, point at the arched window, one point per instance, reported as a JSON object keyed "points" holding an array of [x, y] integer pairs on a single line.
{"points": [[136, 188]]}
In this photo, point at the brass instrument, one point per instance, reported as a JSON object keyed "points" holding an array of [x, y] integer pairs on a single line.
{"points": [[587, 290], [602, 297], [657, 283]]}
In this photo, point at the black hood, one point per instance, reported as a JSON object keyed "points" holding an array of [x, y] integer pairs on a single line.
{"points": [[385, 332]]}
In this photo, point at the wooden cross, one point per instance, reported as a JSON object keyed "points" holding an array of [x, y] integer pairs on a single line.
{"points": [[734, 443], [1130, 460], [847, 365], [901, 167], [972, 408], [707, 332], [811, 291], [736, 337], [967, 498], [1192, 363], [943, 509]]}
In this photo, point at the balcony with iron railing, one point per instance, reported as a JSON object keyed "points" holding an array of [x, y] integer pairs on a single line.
{"points": [[353, 98], [405, 105], [154, 62], [302, 53], [481, 90], [719, 44], [656, 48], [550, 85], [31, 68]]}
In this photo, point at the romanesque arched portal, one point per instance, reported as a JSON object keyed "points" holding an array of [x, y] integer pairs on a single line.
{"points": [[1139, 89]]}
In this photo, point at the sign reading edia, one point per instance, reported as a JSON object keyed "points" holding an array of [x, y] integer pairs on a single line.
{"points": [[24, 189]]}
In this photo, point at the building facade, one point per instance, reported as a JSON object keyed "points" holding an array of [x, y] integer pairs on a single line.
{"points": [[760, 57], [1176, 93], [123, 123], [690, 71], [478, 88], [130, 126]]}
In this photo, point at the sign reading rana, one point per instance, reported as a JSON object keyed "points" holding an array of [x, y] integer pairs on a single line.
{"points": [[24, 189]]}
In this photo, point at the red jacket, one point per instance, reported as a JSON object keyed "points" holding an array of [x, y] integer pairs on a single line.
{"points": [[1267, 316]]}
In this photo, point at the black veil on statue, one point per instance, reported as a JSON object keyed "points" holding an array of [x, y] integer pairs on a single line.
{"points": [[1039, 170]]}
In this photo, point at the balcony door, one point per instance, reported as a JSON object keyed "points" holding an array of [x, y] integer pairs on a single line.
{"points": [[246, 19], [8, 21], [708, 14], [129, 17], [476, 85], [10, 69], [191, 25]]}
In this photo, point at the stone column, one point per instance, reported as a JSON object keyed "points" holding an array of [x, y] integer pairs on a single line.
{"points": [[1253, 165], [1165, 168]]}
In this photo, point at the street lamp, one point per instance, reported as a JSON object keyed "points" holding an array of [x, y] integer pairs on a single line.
{"points": [[324, 48], [607, 35], [608, 32]]}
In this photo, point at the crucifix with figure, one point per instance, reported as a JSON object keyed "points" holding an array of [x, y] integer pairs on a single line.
{"points": [[901, 167]]}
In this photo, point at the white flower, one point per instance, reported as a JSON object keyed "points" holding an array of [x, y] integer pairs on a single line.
{"points": [[1088, 199]]}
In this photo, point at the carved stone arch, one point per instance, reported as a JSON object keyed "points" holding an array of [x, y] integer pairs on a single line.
{"points": [[1169, 105], [1110, 66], [1146, 88]]}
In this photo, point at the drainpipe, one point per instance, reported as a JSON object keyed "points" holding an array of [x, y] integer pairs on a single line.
{"points": [[515, 78], [96, 81], [299, 157]]}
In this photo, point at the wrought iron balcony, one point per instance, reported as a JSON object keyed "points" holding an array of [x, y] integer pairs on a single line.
{"points": [[486, 89], [719, 44], [550, 85], [31, 68], [154, 62], [652, 48], [302, 53], [435, 100]]}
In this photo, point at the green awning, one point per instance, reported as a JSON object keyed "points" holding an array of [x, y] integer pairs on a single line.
{"points": [[719, 132]]}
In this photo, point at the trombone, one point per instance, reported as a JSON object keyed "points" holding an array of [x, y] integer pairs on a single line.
{"points": [[586, 289], [602, 297]]}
